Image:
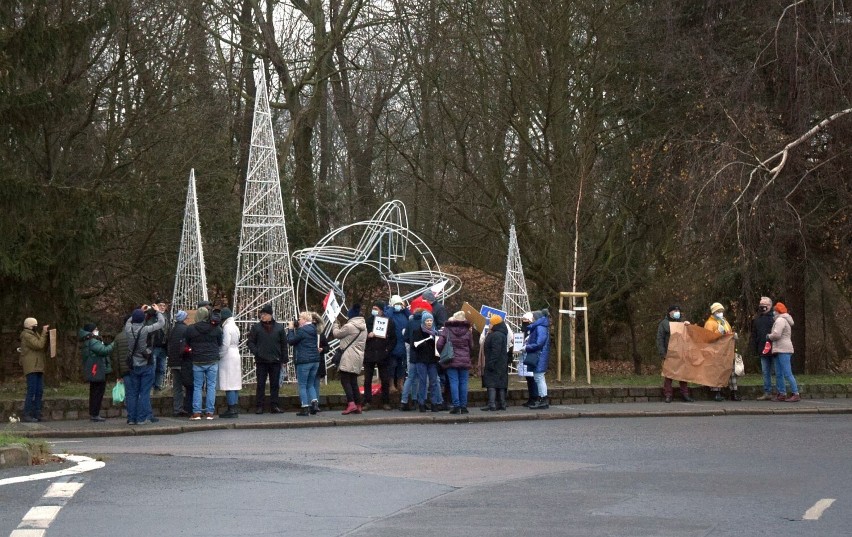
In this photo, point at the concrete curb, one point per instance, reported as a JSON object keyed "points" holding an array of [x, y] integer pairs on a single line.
{"points": [[416, 419], [15, 455]]}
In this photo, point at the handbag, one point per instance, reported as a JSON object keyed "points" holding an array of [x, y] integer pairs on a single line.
{"points": [[531, 359], [739, 366], [118, 393], [767, 349], [446, 355], [338, 354]]}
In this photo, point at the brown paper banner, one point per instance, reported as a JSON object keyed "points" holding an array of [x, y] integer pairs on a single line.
{"points": [[51, 335], [474, 317], [698, 355]]}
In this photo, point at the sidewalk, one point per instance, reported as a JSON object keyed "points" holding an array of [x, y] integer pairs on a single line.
{"points": [[333, 418]]}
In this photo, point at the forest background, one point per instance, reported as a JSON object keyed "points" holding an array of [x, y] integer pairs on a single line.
{"points": [[698, 151]]}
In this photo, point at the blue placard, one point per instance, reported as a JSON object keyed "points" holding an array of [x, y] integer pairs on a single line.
{"points": [[487, 311]]}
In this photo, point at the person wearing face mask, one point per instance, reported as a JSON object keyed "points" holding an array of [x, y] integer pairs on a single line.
{"points": [[663, 335], [782, 346], [761, 326], [717, 323], [528, 373], [399, 314], [352, 337], [377, 355], [423, 343], [96, 365]]}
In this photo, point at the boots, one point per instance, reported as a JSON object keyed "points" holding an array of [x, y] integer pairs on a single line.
{"points": [[540, 404], [315, 407], [501, 399], [232, 412], [350, 408], [492, 394], [304, 411]]}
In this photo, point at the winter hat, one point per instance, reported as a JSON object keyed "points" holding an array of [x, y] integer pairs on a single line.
{"points": [[766, 301], [203, 304], [426, 317], [528, 317], [459, 316], [538, 314], [89, 327], [395, 299], [226, 313], [354, 311], [673, 308], [495, 319], [180, 316], [266, 309], [30, 322], [138, 316], [379, 304], [420, 304], [429, 296], [715, 306], [201, 315], [780, 308]]}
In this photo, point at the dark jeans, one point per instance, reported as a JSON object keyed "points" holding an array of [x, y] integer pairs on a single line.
{"points": [[96, 397], [532, 387], [384, 377], [350, 387], [667, 387], [35, 390], [160, 362], [272, 371], [137, 386], [399, 364]]}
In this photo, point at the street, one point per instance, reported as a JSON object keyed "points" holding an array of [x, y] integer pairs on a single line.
{"points": [[660, 476]]}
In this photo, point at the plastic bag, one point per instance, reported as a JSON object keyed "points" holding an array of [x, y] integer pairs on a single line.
{"points": [[739, 366], [118, 393]]}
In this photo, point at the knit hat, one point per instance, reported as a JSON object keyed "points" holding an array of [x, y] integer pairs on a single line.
{"points": [[138, 316], [429, 296], [780, 308], [354, 311], [266, 309], [30, 322], [673, 308], [180, 316], [395, 299], [528, 317], [420, 304], [495, 319], [766, 301], [203, 304], [715, 306], [226, 313], [379, 304], [459, 316], [201, 315], [426, 317], [89, 327]]}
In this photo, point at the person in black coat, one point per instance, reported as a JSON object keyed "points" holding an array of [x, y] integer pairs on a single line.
{"points": [[180, 364], [377, 354], [205, 340], [495, 374], [664, 333], [424, 339], [267, 341], [761, 326]]}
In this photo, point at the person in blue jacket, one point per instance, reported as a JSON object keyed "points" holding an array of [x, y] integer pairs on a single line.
{"points": [[399, 314], [539, 341], [306, 355]]}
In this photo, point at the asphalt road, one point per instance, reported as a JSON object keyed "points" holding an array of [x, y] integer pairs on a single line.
{"points": [[674, 476]]}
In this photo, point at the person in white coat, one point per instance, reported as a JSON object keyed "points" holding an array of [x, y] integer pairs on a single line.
{"points": [[230, 365]]}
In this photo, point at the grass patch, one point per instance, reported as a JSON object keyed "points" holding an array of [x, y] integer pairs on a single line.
{"points": [[37, 447]]}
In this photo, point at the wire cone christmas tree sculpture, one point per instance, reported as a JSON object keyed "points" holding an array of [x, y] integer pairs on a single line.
{"points": [[516, 301], [190, 279], [263, 261]]}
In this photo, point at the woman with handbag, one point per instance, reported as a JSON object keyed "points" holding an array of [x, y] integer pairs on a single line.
{"points": [[96, 366], [782, 346], [457, 333], [352, 337]]}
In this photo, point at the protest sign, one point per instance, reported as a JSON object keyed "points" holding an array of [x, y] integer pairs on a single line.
{"points": [[698, 355], [380, 327]]}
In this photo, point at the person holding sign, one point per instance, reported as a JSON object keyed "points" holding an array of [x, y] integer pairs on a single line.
{"points": [[718, 324], [33, 356], [663, 336], [528, 373], [381, 340]]}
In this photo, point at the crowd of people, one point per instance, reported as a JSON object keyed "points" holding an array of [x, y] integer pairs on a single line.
{"points": [[770, 339], [415, 349]]}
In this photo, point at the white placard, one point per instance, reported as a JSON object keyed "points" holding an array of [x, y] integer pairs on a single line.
{"points": [[518, 342], [380, 327], [332, 308]]}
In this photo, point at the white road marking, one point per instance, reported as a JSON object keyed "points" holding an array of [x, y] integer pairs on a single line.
{"points": [[818, 509], [84, 464], [40, 517]]}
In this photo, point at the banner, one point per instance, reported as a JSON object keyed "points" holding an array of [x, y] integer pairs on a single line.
{"points": [[51, 334], [474, 317], [698, 355], [332, 308], [380, 327], [518, 342], [438, 288]]}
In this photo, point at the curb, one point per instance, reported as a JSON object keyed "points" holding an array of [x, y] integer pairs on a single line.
{"points": [[443, 419], [15, 455]]}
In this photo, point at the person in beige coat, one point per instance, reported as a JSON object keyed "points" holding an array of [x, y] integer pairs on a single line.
{"points": [[353, 338], [33, 356], [782, 347]]}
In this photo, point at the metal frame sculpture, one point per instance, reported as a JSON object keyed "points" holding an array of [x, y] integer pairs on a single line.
{"points": [[516, 301], [190, 279], [263, 261], [382, 242]]}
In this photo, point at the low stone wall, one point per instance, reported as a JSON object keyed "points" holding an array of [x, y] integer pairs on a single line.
{"points": [[74, 408]]}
